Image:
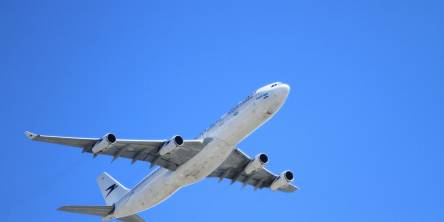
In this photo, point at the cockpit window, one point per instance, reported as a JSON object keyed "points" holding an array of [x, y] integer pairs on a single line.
{"points": [[273, 85]]}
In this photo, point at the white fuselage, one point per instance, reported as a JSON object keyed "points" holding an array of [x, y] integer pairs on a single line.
{"points": [[224, 134]]}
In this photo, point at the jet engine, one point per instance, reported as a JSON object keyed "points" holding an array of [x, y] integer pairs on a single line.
{"points": [[170, 145], [258, 162], [105, 143], [285, 178]]}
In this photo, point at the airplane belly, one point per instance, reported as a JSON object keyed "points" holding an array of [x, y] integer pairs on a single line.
{"points": [[151, 191], [163, 183], [229, 132], [205, 162]]}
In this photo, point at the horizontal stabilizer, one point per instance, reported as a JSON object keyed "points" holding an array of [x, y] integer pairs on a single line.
{"points": [[101, 211], [132, 218], [91, 210]]}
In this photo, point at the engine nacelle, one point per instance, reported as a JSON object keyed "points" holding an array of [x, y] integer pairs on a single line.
{"points": [[259, 161], [285, 178], [172, 144], [105, 143]]}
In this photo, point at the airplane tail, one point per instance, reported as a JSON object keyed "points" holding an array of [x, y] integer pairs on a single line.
{"points": [[112, 191], [102, 211]]}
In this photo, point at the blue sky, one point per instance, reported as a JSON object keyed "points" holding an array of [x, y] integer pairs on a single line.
{"points": [[362, 128]]}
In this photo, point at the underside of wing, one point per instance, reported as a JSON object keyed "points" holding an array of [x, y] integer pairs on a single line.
{"points": [[165, 153], [238, 168]]}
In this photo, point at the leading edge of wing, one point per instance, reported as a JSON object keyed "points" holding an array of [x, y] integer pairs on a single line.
{"points": [[35, 136], [48, 138], [68, 141]]}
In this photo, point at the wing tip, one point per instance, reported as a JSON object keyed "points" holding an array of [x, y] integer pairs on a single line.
{"points": [[30, 135]]}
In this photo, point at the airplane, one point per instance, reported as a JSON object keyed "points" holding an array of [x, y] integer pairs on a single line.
{"points": [[180, 162]]}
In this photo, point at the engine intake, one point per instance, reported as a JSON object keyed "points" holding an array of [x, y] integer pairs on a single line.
{"points": [[105, 143], [258, 162], [285, 178], [171, 145]]}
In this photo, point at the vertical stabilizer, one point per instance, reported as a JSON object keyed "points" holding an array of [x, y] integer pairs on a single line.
{"points": [[112, 191]]}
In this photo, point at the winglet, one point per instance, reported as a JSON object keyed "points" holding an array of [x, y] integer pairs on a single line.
{"points": [[30, 135]]}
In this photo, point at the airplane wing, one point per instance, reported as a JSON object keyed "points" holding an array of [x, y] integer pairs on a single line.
{"points": [[233, 168], [136, 150]]}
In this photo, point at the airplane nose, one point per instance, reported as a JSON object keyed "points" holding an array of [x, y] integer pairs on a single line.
{"points": [[282, 90], [279, 93]]}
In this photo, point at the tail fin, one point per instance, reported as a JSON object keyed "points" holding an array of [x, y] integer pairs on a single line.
{"points": [[112, 191]]}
